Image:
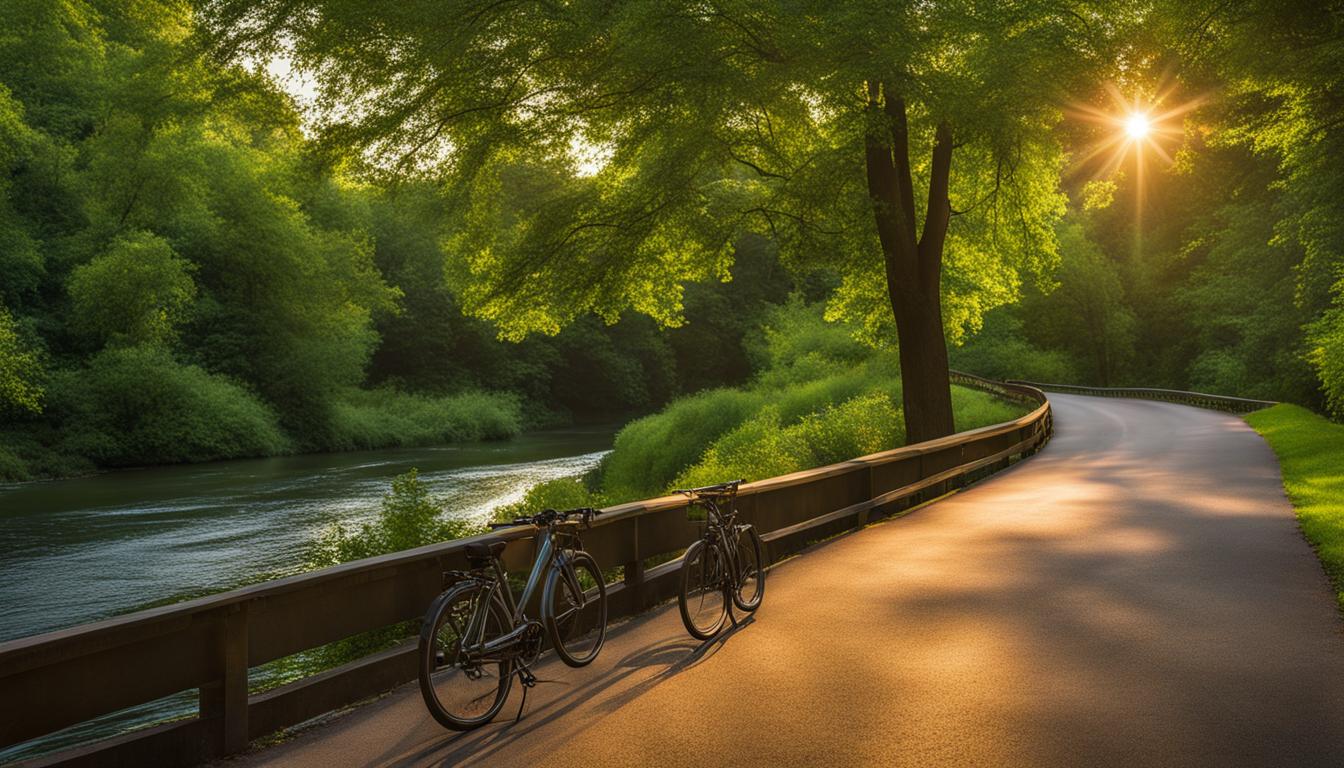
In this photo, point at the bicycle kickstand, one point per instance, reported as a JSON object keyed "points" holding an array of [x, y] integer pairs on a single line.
{"points": [[528, 680]]}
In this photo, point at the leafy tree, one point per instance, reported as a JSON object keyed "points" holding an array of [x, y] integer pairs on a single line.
{"points": [[20, 370], [1086, 313], [136, 293], [809, 122]]}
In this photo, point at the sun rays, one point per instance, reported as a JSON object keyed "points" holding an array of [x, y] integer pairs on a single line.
{"points": [[1136, 126]]}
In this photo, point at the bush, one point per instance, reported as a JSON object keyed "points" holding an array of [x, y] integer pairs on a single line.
{"points": [[138, 405], [974, 409], [797, 344], [561, 493], [822, 399], [408, 518], [650, 452], [765, 447], [1327, 354], [386, 417], [12, 468]]}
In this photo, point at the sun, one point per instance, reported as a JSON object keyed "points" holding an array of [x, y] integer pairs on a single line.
{"points": [[1137, 126]]}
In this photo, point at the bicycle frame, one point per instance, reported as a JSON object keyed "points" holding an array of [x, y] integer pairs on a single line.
{"points": [[549, 555], [725, 537]]}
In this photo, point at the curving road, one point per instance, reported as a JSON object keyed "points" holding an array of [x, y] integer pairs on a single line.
{"points": [[1137, 594]]}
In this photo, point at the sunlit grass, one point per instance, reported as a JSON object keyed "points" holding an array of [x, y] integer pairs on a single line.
{"points": [[1311, 454]]}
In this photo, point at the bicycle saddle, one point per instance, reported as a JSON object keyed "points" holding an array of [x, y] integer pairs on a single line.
{"points": [[483, 551]]}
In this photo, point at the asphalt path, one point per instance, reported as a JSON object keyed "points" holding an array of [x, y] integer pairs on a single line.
{"points": [[1136, 594]]}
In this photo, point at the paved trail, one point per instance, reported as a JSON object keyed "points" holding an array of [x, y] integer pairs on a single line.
{"points": [[1137, 594]]}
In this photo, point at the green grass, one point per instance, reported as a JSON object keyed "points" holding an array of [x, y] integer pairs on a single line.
{"points": [[1311, 455]]}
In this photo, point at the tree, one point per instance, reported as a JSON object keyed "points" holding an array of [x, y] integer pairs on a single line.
{"points": [[20, 370], [135, 293], [678, 126]]}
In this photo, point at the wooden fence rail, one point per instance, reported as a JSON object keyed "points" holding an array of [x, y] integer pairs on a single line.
{"points": [[1200, 399], [67, 677]]}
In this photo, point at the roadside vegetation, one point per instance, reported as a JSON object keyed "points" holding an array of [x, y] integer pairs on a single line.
{"points": [[819, 397], [1311, 457]]}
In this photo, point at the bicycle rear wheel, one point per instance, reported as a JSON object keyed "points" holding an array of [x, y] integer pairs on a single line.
{"points": [[703, 598], [461, 689], [749, 586], [574, 610]]}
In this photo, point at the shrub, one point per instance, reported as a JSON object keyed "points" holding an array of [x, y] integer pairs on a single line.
{"points": [[408, 518], [561, 493], [765, 447], [974, 409], [387, 417], [1327, 354], [650, 452], [12, 468], [138, 405]]}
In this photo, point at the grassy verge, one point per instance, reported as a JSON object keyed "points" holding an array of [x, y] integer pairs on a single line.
{"points": [[1311, 455]]}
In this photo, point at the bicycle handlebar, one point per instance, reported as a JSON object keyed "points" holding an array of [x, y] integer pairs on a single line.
{"points": [[709, 490], [551, 517]]}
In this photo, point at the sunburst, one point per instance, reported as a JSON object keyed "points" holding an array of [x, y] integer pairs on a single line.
{"points": [[1137, 125]]}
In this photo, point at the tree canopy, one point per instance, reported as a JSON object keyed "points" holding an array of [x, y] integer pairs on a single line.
{"points": [[602, 154]]}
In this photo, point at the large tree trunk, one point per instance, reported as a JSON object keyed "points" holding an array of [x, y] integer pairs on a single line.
{"points": [[914, 264]]}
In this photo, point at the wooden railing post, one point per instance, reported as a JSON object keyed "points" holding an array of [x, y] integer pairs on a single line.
{"points": [[634, 584], [225, 702]]}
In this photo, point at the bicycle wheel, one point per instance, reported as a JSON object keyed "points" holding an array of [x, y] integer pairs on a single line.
{"points": [[749, 586], [461, 690], [703, 597], [574, 609]]}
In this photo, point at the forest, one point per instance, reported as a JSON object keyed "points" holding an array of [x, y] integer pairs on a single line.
{"points": [[580, 213]]}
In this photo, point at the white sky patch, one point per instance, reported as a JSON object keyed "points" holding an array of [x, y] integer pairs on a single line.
{"points": [[589, 158], [301, 86]]}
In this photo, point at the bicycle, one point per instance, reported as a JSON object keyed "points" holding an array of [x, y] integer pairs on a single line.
{"points": [[723, 565], [475, 638]]}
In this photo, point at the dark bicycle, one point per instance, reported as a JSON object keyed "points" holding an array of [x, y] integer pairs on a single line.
{"points": [[476, 639], [723, 565]]}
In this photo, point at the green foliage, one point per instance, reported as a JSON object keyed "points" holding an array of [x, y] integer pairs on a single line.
{"points": [[1309, 448], [708, 125], [153, 196], [1086, 315], [651, 451], [137, 405], [1001, 351], [387, 417], [135, 293], [764, 447], [20, 370], [1328, 356], [561, 493], [823, 398], [409, 517]]}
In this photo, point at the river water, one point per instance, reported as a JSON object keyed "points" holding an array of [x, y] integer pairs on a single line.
{"points": [[73, 551]]}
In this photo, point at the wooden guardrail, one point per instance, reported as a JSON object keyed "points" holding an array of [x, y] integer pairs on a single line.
{"points": [[59, 679], [1199, 399]]}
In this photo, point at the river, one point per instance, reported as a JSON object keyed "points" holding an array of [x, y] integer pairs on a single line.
{"points": [[78, 550]]}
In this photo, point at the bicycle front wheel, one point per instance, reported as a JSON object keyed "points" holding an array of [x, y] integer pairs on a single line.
{"points": [[463, 689], [749, 587], [703, 598], [574, 609]]}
